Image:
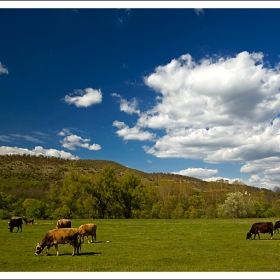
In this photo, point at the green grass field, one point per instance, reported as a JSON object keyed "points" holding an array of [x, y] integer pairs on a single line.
{"points": [[146, 246]]}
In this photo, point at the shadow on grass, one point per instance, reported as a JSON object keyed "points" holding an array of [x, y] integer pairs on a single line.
{"points": [[69, 254], [89, 253]]}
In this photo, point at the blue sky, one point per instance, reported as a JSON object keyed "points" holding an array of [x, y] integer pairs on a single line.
{"points": [[177, 90]]}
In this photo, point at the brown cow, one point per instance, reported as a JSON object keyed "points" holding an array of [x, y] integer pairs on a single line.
{"points": [[63, 223], [15, 222], [60, 236], [263, 227], [86, 230]]}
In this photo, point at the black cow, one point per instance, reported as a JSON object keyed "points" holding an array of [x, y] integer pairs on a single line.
{"points": [[263, 227], [15, 222], [28, 220], [276, 226]]}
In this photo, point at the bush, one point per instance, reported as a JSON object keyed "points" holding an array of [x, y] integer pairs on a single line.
{"points": [[4, 214]]}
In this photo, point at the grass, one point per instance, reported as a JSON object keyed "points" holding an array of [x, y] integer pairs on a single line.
{"points": [[146, 246]]}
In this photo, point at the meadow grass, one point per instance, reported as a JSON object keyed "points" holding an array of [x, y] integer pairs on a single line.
{"points": [[171, 245]]}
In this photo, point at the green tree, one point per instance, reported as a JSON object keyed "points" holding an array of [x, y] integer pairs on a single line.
{"points": [[276, 207], [37, 209], [178, 212], [105, 192], [130, 193]]}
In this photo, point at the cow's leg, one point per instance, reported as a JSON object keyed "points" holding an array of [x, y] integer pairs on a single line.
{"points": [[75, 248], [56, 248], [47, 251], [20, 228]]}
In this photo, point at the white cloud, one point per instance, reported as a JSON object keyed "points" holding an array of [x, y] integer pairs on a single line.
{"points": [[219, 109], [134, 133], [199, 11], [201, 173], [5, 138], [64, 132], [37, 151], [84, 98], [3, 69], [264, 172], [72, 141], [129, 107], [27, 138]]}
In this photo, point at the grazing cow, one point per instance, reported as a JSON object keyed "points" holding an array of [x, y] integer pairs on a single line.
{"points": [[257, 228], [60, 236], [28, 221], [15, 222], [86, 230], [276, 226], [63, 223]]}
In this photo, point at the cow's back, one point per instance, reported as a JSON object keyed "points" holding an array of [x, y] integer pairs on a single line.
{"points": [[61, 235], [63, 223], [87, 229]]}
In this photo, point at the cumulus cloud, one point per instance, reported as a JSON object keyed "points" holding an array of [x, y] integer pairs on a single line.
{"points": [[37, 151], [3, 69], [129, 107], [218, 109], [201, 173], [72, 141], [84, 98], [264, 172], [134, 133]]}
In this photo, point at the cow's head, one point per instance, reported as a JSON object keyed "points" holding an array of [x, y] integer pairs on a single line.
{"points": [[249, 234], [10, 227], [39, 249]]}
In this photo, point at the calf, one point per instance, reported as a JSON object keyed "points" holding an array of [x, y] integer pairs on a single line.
{"points": [[86, 230], [15, 222], [257, 228], [63, 223], [60, 236], [28, 221]]}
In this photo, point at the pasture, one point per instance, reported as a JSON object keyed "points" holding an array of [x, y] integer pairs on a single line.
{"points": [[186, 245]]}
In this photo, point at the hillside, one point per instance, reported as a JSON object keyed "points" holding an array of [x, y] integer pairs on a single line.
{"points": [[31, 176]]}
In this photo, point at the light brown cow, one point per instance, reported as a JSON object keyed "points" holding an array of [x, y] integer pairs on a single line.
{"points": [[86, 230], [63, 223], [60, 236]]}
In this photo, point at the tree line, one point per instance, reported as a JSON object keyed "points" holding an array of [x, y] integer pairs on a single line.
{"points": [[109, 194]]}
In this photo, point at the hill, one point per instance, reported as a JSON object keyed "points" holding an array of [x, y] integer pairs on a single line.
{"points": [[31, 176]]}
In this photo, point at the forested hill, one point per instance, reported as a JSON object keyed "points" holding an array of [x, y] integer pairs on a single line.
{"points": [[48, 187], [31, 176]]}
